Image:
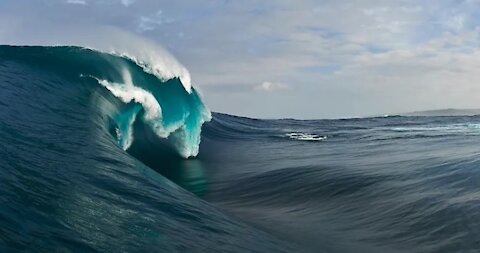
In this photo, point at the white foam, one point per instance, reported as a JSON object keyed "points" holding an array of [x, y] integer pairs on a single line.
{"points": [[154, 64], [127, 142], [306, 136], [128, 94]]}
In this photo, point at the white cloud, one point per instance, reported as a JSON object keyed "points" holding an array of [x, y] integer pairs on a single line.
{"points": [[151, 22], [147, 24], [412, 9], [375, 11], [371, 61], [80, 2], [127, 2], [269, 86], [456, 23]]}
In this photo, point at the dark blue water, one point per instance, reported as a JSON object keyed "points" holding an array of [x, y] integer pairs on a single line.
{"points": [[393, 184], [396, 184]]}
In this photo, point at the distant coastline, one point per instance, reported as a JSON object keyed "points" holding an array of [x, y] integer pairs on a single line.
{"points": [[444, 112]]}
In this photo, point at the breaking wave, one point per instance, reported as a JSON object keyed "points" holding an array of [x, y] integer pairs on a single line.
{"points": [[161, 98]]}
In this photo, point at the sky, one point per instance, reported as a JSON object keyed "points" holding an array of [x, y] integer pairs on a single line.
{"points": [[293, 59]]}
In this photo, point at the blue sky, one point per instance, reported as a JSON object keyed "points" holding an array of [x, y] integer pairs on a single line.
{"points": [[303, 59]]}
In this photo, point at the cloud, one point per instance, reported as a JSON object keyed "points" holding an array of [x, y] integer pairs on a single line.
{"points": [[382, 55], [270, 87], [456, 23], [151, 22], [79, 2], [412, 9], [127, 2]]}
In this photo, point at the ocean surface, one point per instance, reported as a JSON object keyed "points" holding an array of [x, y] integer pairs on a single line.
{"points": [[100, 152]]}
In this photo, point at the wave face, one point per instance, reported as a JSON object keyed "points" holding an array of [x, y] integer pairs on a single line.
{"points": [[67, 183]]}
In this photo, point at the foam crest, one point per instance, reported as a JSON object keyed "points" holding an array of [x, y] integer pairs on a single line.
{"points": [[147, 54], [127, 94]]}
